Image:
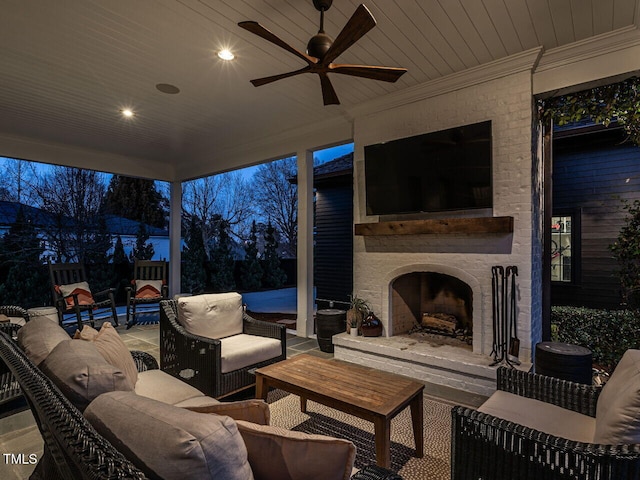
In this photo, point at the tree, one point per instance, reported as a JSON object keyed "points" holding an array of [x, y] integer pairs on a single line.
{"points": [[194, 258], [274, 276], [142, 249], [74, 197], [18, 177], [221, 261], [121, 269], [277, 197], [604, 104], [98, 258], [21, 249], [224, 197], [626, 250], [136, 199], [251, 270]]}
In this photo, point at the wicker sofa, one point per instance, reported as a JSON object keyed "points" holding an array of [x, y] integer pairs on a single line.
{"points": [[73, 448], [539, 427], [199, 361]]}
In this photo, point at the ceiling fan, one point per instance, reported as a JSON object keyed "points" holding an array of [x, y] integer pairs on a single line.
{"points": [[322, 51]]}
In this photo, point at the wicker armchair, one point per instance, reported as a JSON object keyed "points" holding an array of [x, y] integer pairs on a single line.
{"points": [[197, 360], [11, 397], [485, 447]]}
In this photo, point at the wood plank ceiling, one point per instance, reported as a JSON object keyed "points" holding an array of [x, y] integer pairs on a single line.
{"points": [[67, 67]]}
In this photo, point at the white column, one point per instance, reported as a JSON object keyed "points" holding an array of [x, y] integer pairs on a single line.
{"points": [[175, 235], [304, 325]]}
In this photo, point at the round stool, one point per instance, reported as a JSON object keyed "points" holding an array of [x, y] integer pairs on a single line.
{"points": [[564, 361], [329, 322], [50, 313]]}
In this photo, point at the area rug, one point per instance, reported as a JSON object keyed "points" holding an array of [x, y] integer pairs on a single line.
{"points": [[285, 412]]}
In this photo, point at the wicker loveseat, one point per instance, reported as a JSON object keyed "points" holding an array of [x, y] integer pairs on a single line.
{"points": [[200, 360], [539, 427], [73, 448]]}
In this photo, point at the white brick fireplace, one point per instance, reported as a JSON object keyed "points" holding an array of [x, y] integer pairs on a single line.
{"points": [[500, 93]]}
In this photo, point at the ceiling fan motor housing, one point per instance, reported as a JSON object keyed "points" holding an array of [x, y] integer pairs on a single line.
{"points": [[322, 4], [318, 45]]}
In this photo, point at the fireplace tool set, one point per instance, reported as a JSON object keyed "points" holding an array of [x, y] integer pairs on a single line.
{"points": [[506, 344]]}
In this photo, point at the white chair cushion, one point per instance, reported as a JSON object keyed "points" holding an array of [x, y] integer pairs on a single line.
{"points": [[618, 409], [243, 350], [540, 416], [216, 315], [161, 386]]}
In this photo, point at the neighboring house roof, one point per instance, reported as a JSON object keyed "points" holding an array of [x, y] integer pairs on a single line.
{"points": [[124, 226], [38, 217], [338, 167], [43, 219]]}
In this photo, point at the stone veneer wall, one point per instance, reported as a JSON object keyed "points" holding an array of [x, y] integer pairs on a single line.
{"points": [[507, 102]]}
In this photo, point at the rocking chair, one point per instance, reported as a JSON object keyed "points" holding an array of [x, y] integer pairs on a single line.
{"points": [[74, 299], [148, 287]]}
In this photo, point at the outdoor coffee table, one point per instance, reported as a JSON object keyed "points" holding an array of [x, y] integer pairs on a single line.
{"points": [[364, 392]]}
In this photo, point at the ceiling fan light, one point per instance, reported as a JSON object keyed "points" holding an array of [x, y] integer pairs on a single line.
{"points": [[127, 113]]}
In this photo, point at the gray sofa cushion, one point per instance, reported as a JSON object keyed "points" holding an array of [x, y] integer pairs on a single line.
{"points": [[161, 386], [81, 373], [39, 337], [169, 442]]}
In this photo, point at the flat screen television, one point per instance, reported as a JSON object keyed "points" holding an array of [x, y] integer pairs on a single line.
{"points": [[435, 172]]}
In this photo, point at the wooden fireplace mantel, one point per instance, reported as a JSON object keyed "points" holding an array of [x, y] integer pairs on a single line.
{"points": [[474, 225]]}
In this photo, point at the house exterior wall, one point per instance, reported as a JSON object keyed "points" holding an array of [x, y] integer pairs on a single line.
{"points": [[592, 174], [507, 102]]}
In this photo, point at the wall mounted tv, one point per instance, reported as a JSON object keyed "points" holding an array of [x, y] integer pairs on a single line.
{"points": [[435, 172]]}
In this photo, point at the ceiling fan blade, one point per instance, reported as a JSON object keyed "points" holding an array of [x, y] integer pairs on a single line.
{"points": [[258, 82], [257, 29], [358, 25], [329, 95], [386, 74]]}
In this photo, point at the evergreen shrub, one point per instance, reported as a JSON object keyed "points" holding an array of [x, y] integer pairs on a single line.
{"points": [[607, 333]]}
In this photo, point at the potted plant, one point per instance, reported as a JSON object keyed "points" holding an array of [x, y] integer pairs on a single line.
{"points": [[358, 309]]}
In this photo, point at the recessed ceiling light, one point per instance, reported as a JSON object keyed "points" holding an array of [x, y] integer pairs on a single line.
{"points": [[226, 54], [167, 88], [127, 112]]}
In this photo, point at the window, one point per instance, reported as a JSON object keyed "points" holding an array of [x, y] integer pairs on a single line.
{"points": [[563, 251]]}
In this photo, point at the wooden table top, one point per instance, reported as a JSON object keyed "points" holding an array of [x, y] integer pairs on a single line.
{"points": [[369, 389]]}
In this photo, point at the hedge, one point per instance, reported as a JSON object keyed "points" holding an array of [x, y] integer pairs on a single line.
{"points": [[607, 333]]}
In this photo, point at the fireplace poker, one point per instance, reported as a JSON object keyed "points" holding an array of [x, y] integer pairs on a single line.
{"points": [[499, 333], [514, 345]]}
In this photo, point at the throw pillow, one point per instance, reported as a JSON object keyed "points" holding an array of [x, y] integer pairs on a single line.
{"points": [[253, 410], [81, 289], [288, 455], [111, 347], [618, 409], [170, 442], [148, 288], [216, 315], [39, 337], [81, 373]]}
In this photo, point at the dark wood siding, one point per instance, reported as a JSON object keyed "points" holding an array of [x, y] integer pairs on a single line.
{"points": [[591, 174], [333, 275]]}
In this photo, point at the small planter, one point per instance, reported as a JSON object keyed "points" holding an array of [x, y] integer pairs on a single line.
{"points": [[371, 326], [353, 331]]}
